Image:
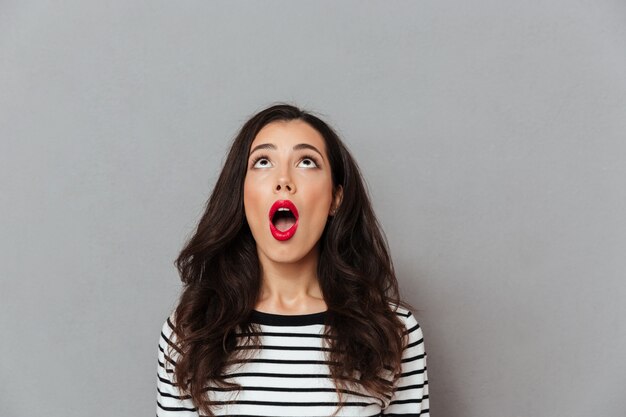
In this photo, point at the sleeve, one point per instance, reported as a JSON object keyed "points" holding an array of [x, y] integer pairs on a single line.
{"points": [[410, 397], [170, 402]]}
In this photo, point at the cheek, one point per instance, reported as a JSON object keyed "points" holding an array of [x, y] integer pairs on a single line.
{"points": [[319, 199], [251, 200]]}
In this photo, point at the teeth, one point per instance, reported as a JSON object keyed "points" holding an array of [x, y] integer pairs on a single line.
{"points": [[283, 209]]}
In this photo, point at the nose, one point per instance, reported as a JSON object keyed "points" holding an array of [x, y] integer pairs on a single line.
{"points": [[284, 183]]}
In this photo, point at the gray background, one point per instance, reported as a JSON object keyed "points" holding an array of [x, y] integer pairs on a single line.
{"points": [[491, 135]]}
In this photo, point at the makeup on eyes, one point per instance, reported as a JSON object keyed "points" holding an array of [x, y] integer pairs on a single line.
{"points": [[303, 157]]}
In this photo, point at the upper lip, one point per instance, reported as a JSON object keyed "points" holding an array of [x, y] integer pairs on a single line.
{"points": [[283, 203]]}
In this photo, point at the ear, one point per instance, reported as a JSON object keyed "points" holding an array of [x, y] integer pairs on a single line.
{"points": [[337, 198]]}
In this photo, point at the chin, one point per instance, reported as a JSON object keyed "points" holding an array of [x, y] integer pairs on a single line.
{"points": [[284, 257], [286, 254], [286, 260]]}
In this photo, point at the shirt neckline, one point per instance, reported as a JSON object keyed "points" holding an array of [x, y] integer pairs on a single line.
{"points": [[271, 319]]}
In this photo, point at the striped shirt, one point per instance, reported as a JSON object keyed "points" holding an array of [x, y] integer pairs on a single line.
{"points": [[289, 375]]}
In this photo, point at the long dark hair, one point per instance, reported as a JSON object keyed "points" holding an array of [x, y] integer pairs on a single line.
{"points": [[220, 271]]}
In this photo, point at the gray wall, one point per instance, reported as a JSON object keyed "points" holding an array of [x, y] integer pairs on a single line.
{"points": [[491, 135]]}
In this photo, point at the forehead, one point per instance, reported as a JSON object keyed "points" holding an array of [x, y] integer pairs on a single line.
{"points": [[289, 133]]}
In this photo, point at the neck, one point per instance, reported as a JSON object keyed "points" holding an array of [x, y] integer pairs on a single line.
{"points": [[290, 288]]}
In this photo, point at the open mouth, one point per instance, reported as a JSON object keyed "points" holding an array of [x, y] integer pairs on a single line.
{"points": [[283, 218]]}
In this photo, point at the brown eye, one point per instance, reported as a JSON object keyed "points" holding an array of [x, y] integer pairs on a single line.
{"points": [[261, 162], [308, 162]]}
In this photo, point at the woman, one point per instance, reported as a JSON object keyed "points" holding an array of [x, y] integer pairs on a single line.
{"points": [[290, 304]]}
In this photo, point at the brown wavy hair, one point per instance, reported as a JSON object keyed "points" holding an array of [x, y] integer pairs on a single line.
{"points": [[219, 268]]}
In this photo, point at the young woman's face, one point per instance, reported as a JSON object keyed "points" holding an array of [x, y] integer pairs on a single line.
{"points": [[288, 164]]}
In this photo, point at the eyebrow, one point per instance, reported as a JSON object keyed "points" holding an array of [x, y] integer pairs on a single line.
{"points": [[297, 147]]}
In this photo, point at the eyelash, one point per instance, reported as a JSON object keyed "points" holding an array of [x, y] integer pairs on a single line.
{"points": [[258, 158]]}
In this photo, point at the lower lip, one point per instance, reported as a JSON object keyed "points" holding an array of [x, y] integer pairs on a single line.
{"points": [[286, 235]]}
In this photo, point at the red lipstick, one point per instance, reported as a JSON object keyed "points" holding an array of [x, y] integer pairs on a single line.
{"points": [[286, 234]]}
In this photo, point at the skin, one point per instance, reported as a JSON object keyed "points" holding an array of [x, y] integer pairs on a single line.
{"points": [[288, 268]]}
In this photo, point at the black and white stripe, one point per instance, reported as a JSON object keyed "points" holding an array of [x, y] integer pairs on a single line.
{"points": [[289, 375]]}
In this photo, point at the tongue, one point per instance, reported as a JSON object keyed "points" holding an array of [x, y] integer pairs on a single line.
{"points": [[284, 223]]}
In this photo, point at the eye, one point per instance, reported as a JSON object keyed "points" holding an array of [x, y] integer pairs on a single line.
{"points": [[261, 161], [309, 162]]}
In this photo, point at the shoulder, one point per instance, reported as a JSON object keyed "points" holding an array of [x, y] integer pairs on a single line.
{"points": [[404, 314], [412, 326], [167, 330], [168, 343]]}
